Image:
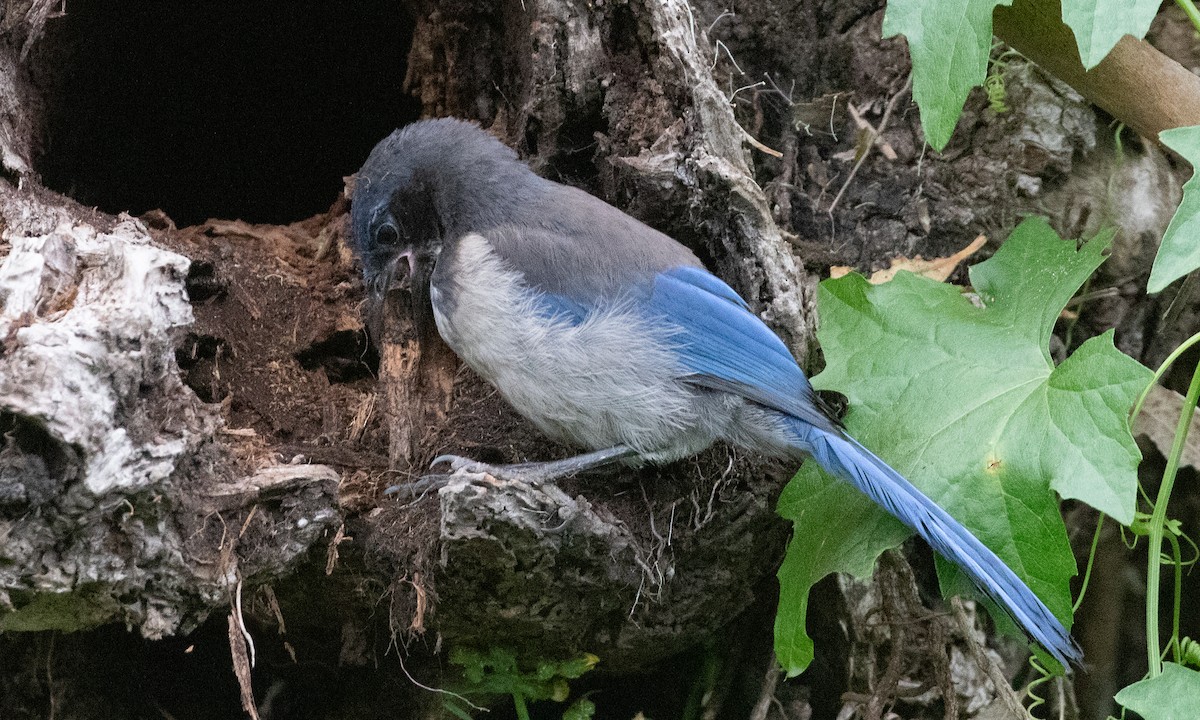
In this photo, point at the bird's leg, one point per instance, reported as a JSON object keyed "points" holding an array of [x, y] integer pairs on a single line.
{"points": [[533, 473], [539, 472]]}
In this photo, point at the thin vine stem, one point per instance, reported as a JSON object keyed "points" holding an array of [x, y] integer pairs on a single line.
{"points": [[1087, 574], [1177, 608], [1159, 373], [519, 704], [1158, 521], [1189, 8]]}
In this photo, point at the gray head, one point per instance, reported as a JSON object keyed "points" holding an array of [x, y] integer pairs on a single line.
{"points": [[421, 184]]}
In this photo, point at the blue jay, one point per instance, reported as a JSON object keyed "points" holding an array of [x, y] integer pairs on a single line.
{"points": [[611, 336]]}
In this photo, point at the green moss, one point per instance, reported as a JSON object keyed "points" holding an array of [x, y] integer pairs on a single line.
{"points": [[69, 612]]}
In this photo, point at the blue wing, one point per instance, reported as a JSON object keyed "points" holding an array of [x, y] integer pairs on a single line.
{"points": [[727, 347], [721, 344]]}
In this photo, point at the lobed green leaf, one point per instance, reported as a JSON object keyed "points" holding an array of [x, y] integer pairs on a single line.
{"points": [[949, 41], [967, 403], [1099, 24], [1173, 695], [1179, 253]]}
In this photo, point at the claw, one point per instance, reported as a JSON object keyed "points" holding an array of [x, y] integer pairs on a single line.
{"points": [[454, 461], [426, 482], [537, 472], [418, 487]]}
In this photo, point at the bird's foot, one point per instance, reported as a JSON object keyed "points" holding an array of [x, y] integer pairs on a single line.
{"points": [[519, 472], [533, 473], [419, 487]]}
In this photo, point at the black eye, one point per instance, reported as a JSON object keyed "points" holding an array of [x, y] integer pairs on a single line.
{"points": [[387, 234]]}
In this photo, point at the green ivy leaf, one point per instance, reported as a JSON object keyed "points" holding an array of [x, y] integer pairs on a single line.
{"points": [[836, 530], [498, 672], [1173, 695], [1099, 24], [967, 403], [949, 41], [581, 709], [1179, 253]]}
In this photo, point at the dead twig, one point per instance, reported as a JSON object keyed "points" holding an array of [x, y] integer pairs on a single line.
{"points": [[885, 148], [766, 695], [984, 661], [331, 556], [273, 603], [241, 665], [418, 621], [758, 145], [883, 122]]}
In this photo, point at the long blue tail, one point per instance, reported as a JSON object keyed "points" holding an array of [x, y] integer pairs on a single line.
{"points": [[844, 457]]}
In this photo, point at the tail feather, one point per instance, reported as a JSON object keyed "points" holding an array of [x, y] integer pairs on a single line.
{"points": [[845, 458]]}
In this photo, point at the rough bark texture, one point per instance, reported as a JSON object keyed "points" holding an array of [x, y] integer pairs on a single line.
{"points": [[160, 460], [115, 500]]}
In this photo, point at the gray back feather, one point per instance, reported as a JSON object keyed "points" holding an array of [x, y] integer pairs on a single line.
{"points": [[585, 248]]}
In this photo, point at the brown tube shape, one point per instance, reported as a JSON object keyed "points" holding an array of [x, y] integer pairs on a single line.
{"points": [[1135, 83]]}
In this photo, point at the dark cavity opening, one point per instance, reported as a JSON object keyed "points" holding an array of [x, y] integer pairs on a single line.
{"points": [[250, 110], [345, 356], [34, 465]]}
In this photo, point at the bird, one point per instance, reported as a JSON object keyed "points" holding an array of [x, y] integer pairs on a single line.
{"points": [[610, 336]]}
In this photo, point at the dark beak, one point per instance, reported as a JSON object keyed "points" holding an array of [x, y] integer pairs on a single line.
{"points": [[398, 274]]}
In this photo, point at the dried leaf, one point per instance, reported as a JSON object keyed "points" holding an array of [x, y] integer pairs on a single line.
{"points": [[1157, 422], [936, 269]]}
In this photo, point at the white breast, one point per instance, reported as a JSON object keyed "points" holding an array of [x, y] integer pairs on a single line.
{"points": [[610, 379]]}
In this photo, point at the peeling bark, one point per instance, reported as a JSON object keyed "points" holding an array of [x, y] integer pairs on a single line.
{"points": [[110, 476]]}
